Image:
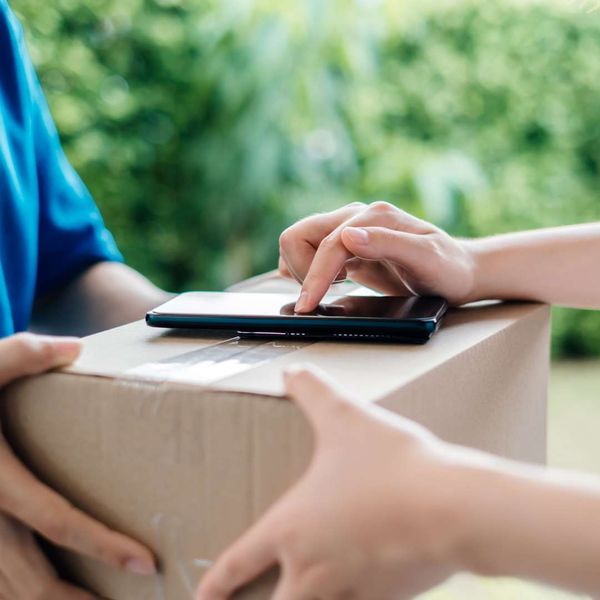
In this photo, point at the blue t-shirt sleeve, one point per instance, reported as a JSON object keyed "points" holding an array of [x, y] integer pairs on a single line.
{"points": [[72, 234]]}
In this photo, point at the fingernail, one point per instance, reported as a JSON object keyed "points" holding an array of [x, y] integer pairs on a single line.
{"points": [[357, 235], [140, 566], [303, 302]]}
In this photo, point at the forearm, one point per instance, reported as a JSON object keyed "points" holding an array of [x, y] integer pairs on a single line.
{"points": [[557, 266], [530, 523], [106, 295]]}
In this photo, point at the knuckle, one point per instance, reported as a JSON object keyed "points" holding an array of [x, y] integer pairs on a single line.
{"points": [[286, 238], [382, 207], [357, 205], [330, 241]]}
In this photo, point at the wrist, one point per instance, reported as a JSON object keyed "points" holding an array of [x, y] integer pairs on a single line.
{"points": [[510, 519], [494, 513], [471, 545], [447, 519], [469, 511], [478, 253], [499, 268]]}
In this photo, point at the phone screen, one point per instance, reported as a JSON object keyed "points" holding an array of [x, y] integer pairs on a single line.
{"points": [[384, 318], [209, 304]]}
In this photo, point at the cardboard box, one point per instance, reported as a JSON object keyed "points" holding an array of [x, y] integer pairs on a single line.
{"points": [[185, 465]]}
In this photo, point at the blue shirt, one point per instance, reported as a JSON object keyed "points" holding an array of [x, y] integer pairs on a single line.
{"points": [[50, 228]]}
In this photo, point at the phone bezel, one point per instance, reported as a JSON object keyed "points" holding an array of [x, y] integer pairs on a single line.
{"points": [[412, 330]]}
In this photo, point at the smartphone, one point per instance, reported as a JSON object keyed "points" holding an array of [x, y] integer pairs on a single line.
{"points": [[384, 318]]}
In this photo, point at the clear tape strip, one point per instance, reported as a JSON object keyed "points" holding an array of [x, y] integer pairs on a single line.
{"points": [[207, 365]]}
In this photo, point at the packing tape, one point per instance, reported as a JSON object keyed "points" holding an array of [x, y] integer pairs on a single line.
{"points": [[213, 363]]}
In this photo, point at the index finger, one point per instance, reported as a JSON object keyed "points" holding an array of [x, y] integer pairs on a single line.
{"points": [[332, 254], [327, 263], [245, 560], [299, 243]]}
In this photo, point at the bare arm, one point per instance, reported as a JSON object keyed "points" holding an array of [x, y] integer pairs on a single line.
{"points": [[401, 511], [532, 523], [108, 294], [557, 266]]}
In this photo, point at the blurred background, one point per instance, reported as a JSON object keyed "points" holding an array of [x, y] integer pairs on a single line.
{"points": [[204, 128]]}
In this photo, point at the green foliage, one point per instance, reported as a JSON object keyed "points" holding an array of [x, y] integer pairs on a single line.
{"points": [[503, 100], [203, 128], [514, 88]]}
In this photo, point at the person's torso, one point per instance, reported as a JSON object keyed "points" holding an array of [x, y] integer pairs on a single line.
{"points": [[19, 198]]}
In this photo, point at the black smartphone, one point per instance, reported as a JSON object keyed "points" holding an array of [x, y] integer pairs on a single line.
{"points": [[384, 318]]}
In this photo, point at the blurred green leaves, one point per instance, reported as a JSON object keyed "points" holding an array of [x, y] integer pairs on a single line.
{"points": [[203, 128]]}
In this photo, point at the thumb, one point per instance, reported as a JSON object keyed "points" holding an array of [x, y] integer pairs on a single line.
{"points": [[382, 243], [28, 354], [316, 395]]}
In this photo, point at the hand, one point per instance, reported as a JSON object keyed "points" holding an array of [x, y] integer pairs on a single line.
{"points": [[25, 573], [379, 246], [27, 504], [373, 517]]}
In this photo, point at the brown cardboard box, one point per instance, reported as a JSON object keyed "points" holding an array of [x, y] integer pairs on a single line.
{"points": [[186, 466]]}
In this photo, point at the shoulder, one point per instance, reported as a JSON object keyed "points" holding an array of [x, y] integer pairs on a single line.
{"points": [[9, 23], [4, 10], [15, 70]]}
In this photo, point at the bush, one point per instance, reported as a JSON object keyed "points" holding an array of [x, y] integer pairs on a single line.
{"points": [[502, 101], [514, 90], [203, 128]]}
